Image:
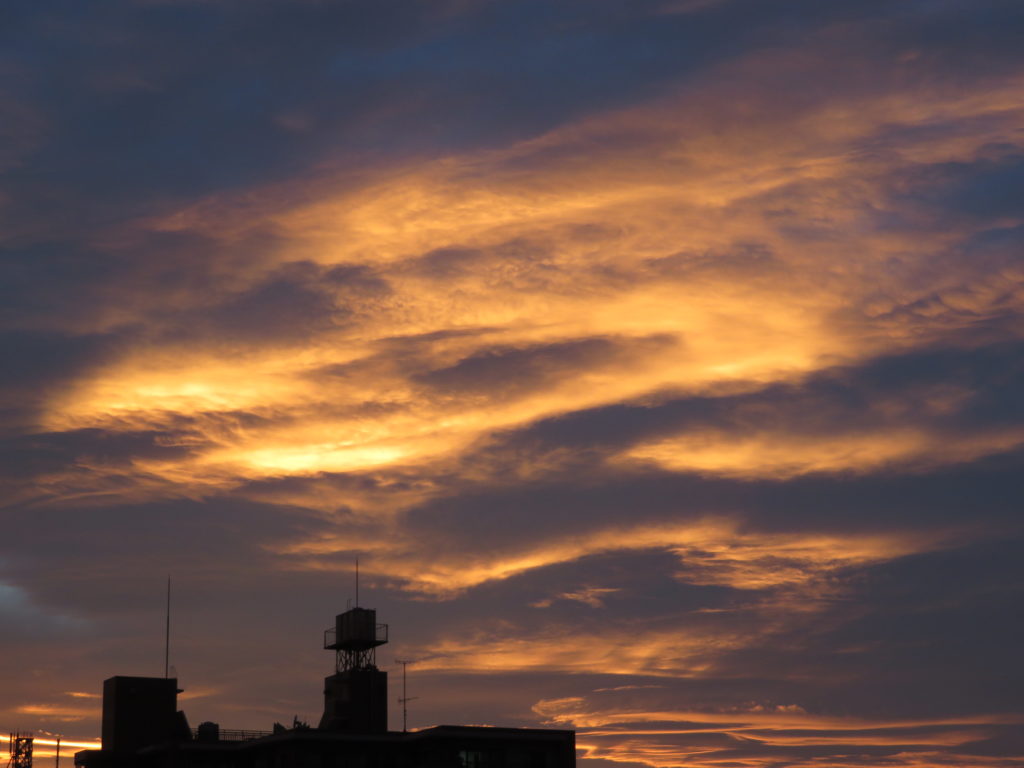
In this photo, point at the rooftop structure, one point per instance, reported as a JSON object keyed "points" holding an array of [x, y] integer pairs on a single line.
{"points": [[19, 746], [143, 728], [356, 695]]}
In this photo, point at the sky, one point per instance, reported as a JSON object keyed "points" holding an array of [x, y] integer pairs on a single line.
{"points": [[659, 360]]}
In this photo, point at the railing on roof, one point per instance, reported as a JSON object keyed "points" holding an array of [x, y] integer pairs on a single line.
{"points": [[229, 734]]}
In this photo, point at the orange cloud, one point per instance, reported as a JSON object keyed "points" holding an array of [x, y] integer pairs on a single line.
{"points": [[716, 241], [784, 455], [763, 733], [61, 712], [712, 551]]}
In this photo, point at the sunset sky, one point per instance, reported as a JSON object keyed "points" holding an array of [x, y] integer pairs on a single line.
{"points": [[661, 361]]}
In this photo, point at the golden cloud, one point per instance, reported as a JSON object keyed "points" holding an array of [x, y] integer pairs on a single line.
{"points": [[783, 455], [716, 241], [708, 737], [711, 551]]}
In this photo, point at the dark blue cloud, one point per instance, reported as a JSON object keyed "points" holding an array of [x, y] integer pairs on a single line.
{"points": [[146, 101]]}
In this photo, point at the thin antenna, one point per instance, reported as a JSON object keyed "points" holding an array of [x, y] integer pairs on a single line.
{"points": [[404, 701], [357, 582], [167, 633], [56, 763]]}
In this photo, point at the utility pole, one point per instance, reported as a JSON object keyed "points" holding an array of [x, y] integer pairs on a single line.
{"points": [[405, 698]]}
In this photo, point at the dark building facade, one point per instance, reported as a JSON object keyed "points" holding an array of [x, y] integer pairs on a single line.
{"points": [[139, 711], [143, 728]]}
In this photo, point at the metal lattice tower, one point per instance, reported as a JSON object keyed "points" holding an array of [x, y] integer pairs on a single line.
{"points": [[20, 749]]}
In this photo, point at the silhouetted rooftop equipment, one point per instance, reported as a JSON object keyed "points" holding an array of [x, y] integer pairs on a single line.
{"points": [[211, 732], [167, 633], [405, 698], [355, 696], [142, 727], [355, 632], [19, 747]]}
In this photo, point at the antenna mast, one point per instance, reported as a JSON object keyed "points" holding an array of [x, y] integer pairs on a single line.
{"points": [[167, 633], [404, 701]]}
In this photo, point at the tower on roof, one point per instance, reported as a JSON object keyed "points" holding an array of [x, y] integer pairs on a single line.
{"points": [[19, 745], [356, 695]]}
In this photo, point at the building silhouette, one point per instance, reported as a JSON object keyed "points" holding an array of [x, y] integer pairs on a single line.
{"points": [[19, 746], [143, 728], [356, 695]]}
